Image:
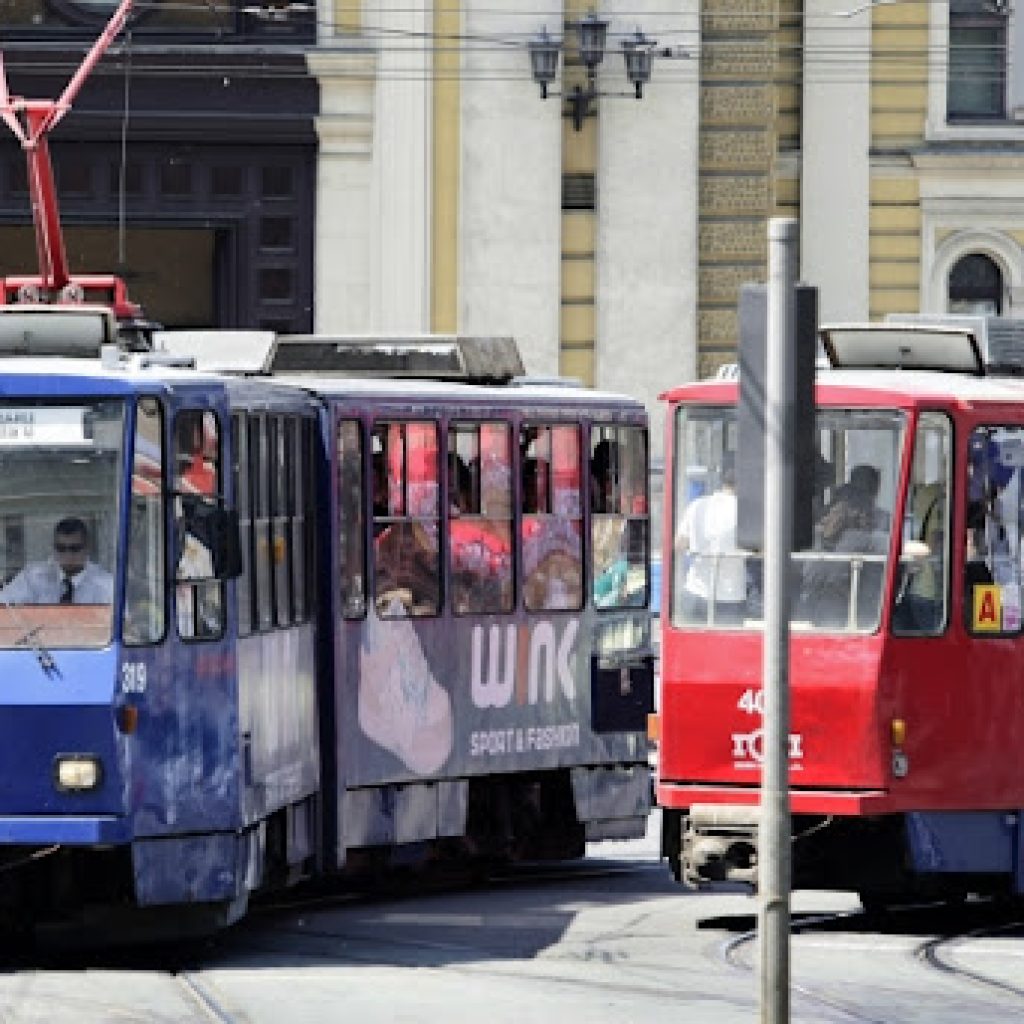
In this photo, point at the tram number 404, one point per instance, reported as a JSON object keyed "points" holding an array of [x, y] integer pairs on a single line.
{"points": [[752, 702], [748, 747]]}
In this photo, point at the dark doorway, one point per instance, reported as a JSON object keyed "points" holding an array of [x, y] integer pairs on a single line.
{"points": [[171, 272], [216, 236]]}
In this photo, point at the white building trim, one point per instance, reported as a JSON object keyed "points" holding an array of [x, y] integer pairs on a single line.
{"points": [[647, 216], [836, 174]]}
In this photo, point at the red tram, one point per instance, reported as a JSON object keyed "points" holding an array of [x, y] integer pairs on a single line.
{"points": [[906, 652]]}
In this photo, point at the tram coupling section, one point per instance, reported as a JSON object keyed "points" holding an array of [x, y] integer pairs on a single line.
{"points": [[720, 844]]}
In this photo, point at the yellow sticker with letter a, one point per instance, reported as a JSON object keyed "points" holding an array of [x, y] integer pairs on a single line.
{"points": [[987, 609]]}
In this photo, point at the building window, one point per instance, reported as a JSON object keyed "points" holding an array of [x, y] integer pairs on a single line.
{"points": [[976, 286], [976, 88], [579, 192]]}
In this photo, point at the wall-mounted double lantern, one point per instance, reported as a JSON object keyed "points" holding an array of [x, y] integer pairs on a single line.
{"points": [[591, 42]]}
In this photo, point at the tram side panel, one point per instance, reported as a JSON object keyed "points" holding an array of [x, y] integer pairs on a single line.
{"points": [[276, 604], [467, 723]]}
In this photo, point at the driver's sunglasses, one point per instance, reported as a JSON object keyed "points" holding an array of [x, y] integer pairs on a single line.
{"points": [[68, 548]]}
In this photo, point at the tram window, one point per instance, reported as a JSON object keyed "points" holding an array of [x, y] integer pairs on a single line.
{"points": [[837, 584], [144, 600], [994, 524], [921, 594], [351, 529], [407, 577], [280, 502], [60, 486], [299, 445], [480, 517], [259, 544], [619, 527], [240, 471], [199, 598], [710, 577], [841, 577], [308, 504], [552, 517]]}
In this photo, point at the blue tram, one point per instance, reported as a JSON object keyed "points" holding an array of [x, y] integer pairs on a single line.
{"points": [[150, 755], [299, 617]]}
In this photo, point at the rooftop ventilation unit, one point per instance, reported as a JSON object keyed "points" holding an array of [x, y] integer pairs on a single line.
{"points": [[428, 357], [75, 331], [903, 346], [1000, 338]]}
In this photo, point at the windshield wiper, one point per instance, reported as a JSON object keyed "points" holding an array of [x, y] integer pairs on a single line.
{"points": [[43, 656]]}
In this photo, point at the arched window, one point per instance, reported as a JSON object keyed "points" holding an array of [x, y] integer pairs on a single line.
{"points": [[975, 286]]}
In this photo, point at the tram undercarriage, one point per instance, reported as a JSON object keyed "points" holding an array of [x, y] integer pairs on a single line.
{"points": [[876, 856]]}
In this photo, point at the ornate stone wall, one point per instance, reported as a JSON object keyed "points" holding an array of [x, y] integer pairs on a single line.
{"points": [[741, 44]]}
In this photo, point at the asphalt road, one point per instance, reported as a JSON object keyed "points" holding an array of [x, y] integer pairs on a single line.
{"points": [[608, 941]]}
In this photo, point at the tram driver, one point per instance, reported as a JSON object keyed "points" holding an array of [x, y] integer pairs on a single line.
{"points": [[68, 577]]}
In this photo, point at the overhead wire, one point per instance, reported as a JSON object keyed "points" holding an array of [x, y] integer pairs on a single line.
{"points": [[839, 62]]}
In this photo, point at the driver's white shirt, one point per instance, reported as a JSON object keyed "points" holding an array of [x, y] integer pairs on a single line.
{"points": [[42, 582]]}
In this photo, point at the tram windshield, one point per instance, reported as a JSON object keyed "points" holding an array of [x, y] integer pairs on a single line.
{"points": [[60, 464], [837, 585]]}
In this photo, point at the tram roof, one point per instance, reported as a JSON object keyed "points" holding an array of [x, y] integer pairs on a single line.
{"points": [[131, 375], [519, 392], [877, 387], [136, 371]]}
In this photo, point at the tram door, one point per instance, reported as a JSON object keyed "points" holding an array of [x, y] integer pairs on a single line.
{"points": [[957, 612], [174, 623], [990, 548]]}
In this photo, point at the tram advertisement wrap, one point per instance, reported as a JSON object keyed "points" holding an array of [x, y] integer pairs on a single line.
{"points": [[472, 696]]}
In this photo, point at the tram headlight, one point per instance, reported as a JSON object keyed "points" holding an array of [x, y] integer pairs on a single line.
{"points": [[77, 773]]}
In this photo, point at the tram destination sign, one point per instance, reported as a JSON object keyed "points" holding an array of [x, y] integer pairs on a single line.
{"points": [[37, 426]]}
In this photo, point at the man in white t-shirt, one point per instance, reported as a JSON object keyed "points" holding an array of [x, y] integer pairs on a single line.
{"points": [[706, 545]]}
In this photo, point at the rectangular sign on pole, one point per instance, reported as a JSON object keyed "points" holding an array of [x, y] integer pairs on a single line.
{"points": [[750, 413], [801, 441]]}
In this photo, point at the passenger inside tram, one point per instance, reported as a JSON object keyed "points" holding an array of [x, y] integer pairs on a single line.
{"points": [[715, 578], [853, 525]]}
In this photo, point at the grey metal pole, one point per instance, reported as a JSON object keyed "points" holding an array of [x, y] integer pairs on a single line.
{"points": [[774, 869]]}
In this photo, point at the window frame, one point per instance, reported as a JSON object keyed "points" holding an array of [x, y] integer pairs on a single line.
{"points": [[474, 426], [544, 514], [161, 516], [406, 522], [615, 432]]}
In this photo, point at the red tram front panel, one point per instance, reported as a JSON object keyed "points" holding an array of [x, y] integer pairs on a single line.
{"points": [[713, 740]]}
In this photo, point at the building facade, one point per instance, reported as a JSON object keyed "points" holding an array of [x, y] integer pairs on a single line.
{"points": [[370, 167], [188, 164], [452, 198], [357, 166]]}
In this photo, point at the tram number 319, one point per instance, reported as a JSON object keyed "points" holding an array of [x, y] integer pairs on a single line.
{"points": [[133, 677]]}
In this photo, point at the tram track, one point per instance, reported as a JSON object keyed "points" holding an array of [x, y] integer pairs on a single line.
{"points": [[932, 953], [731, 953], [201, 997]]}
